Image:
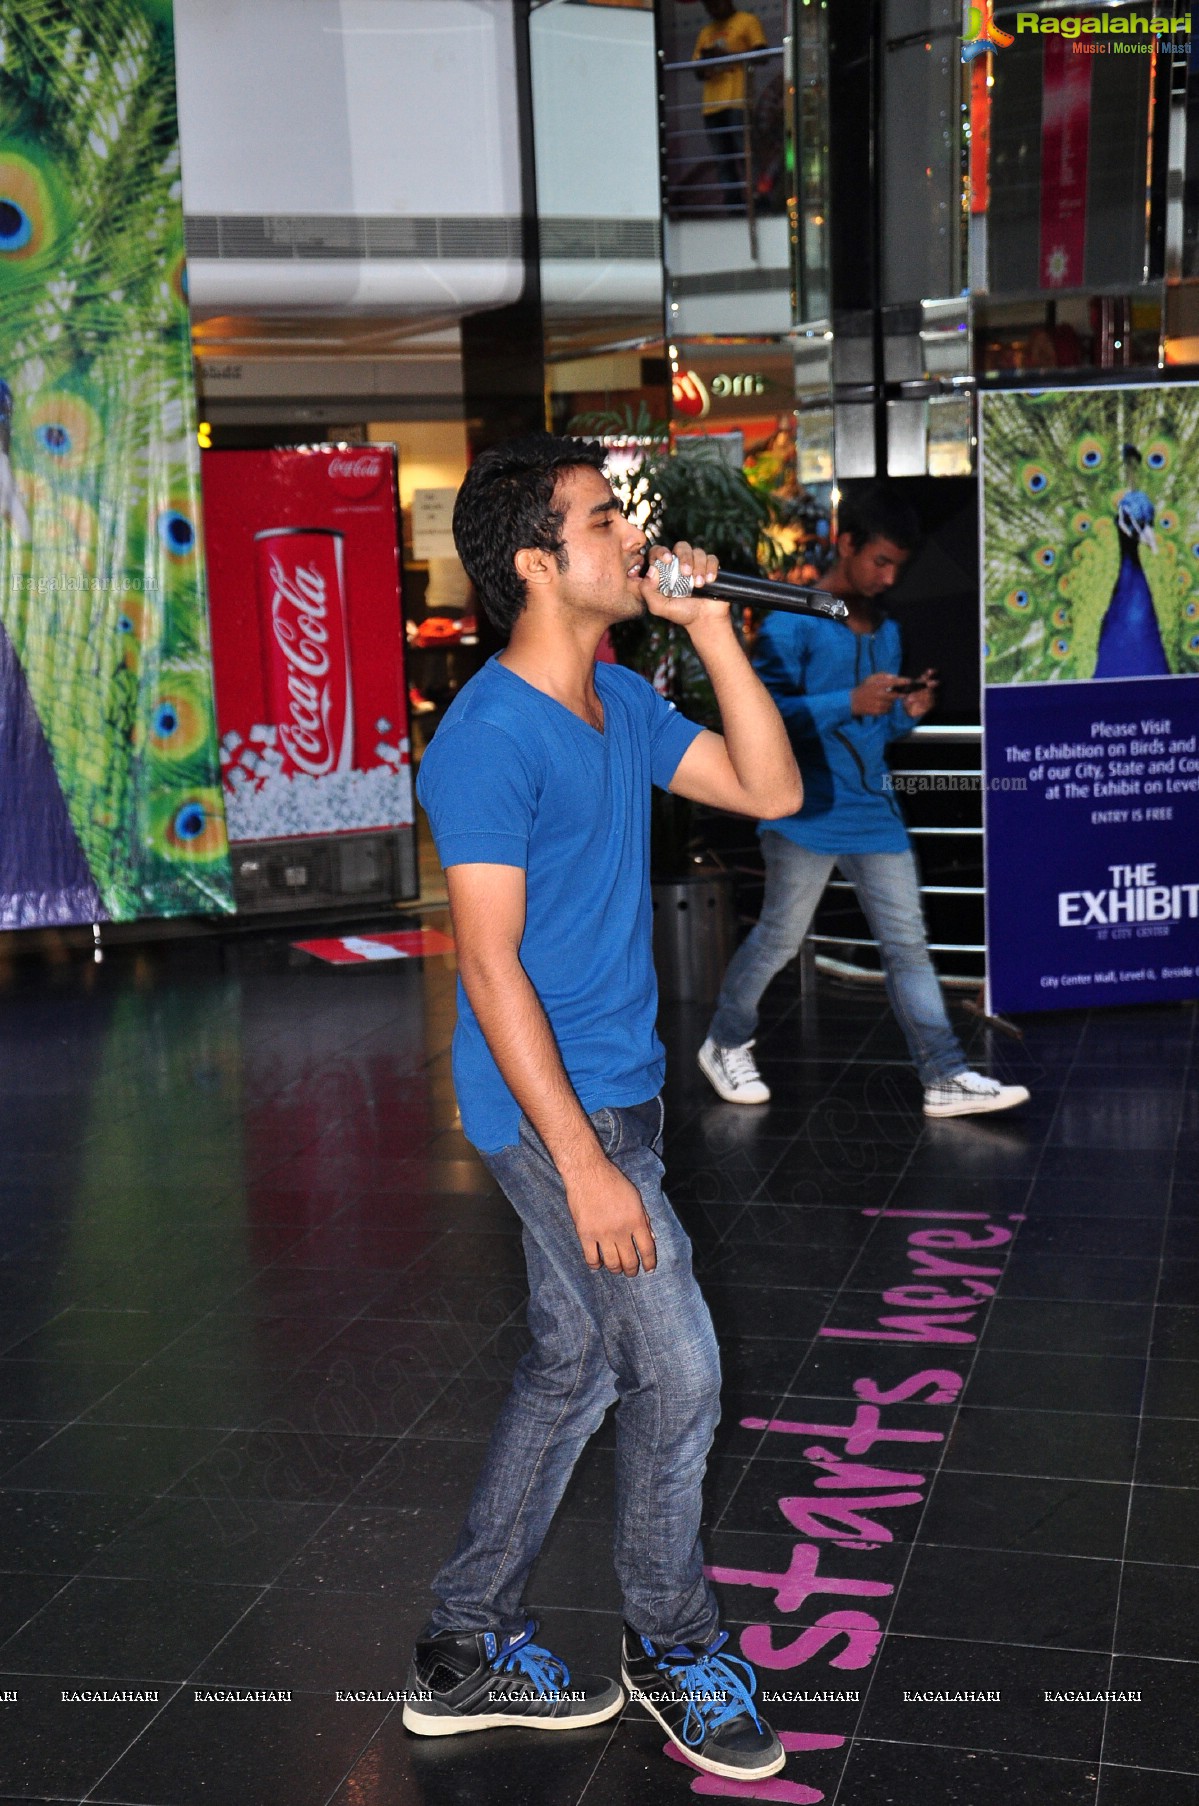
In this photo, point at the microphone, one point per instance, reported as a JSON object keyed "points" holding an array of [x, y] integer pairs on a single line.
{"points": [[756, 592]]}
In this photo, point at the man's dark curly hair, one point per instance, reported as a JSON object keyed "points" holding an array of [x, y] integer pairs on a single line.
{"points": [[878, 513], [507, 504]]}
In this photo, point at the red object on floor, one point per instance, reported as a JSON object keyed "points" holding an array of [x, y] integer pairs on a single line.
{"points": [[362, 949]]}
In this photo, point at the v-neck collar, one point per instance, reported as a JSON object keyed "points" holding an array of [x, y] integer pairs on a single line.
{"points": [[588, 726]]}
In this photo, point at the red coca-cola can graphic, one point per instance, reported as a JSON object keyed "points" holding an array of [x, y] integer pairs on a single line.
{"points": [[306, 651]]}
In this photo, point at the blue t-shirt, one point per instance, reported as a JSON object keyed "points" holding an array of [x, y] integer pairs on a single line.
{"points": [[811, 667], [513, 777]]}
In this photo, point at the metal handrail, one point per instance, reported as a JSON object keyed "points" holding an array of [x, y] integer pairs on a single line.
{"points": [[926, 890], [719, 62], [852, 940], [947, 736], [930, 735], [702, 66]]}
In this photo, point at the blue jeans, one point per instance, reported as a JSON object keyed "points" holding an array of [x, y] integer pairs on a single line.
{"points": [[888, 889], [646, 1342]]}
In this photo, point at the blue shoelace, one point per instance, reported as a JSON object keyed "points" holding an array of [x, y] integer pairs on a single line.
{"points": [[716, 1692], [520, 1655]]}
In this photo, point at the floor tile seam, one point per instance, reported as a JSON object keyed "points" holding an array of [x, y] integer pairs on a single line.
{"points": [[1013, 1473], [1044, 1410], [1102, 1561], [73, 1423], [283, 1269], [239, 1431], [99, 1782], [974, 1749], [1145, 1768], [1097, 1651], [146, 1681], [411, 1434], [188, 1680], [1151, 1334], [88, 1571], [282, 1265], [612, 1733], [1070, 1355], [376, 1732], [21, 1628], [266, 1425], [35, 1450]]}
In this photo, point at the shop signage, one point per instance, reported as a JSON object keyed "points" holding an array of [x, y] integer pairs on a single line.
{"points": [[693, 396], [433, 523]]}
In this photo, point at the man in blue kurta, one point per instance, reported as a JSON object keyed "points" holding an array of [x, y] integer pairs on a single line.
{"points": [[843, 702], [537, 785]]}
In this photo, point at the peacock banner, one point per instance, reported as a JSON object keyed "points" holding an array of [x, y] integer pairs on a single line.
{"points": [[1090, 598], [110, 798]]}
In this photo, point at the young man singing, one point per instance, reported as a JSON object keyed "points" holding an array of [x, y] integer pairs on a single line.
{"points": [[537, 785], [843, 701]]}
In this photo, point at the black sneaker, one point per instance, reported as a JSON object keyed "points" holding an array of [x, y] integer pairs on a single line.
{"points": [[704, 1701], [478, 1681]]}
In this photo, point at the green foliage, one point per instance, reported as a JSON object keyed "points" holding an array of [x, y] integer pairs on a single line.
{"points": [[691, 494]]}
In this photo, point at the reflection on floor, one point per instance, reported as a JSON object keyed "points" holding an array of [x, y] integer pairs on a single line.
{"points": [[260, 1303]]}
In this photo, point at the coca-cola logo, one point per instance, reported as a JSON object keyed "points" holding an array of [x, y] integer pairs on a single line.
{"points": [[300, 624], [357, 473]]}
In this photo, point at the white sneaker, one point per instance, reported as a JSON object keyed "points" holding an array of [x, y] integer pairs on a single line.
{"points": [[971, 1094], [732, 1073]]}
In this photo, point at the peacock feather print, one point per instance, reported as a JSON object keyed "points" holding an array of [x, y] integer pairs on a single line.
{"points": [[101, 581], [1091, 511]]}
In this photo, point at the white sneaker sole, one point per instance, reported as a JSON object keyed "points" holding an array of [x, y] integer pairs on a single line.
{"points": [[726, 1092], [979, 1106], [709, 1766], [438, 1724]]}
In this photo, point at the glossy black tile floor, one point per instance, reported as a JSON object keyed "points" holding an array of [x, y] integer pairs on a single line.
{"points": [[260, 1304]]}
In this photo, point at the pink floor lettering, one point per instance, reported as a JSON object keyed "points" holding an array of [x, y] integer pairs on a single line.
{"points": [[794, 1742], [860, 1436], [800, 1582], [933, 1308], [861, 1631], [841, 1475], [844, 1521], [946, 1386], [845, 1638], [908, 1329]]}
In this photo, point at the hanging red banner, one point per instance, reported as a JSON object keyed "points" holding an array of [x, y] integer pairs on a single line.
{"points": [[980, 135], [1065, 134]]}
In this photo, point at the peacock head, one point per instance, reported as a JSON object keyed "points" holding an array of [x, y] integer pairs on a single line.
{"points": [[1134, 518]]}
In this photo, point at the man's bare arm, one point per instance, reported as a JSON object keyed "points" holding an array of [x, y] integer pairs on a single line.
{"points": [[750, 769], [487, 903]]}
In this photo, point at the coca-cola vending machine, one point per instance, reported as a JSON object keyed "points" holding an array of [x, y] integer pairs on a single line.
{"points": [[308, 652]]}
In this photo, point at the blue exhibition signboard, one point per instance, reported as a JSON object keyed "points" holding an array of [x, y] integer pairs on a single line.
{"points": [[1090, 533]]}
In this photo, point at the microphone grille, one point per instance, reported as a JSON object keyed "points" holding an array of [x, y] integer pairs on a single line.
{"points": [[671, 581]]}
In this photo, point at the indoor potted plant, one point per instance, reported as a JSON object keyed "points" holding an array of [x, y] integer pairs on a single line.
{"points": [[689, 492]]}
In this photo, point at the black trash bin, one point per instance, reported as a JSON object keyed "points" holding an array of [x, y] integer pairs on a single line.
{"points": [[694, 934]]}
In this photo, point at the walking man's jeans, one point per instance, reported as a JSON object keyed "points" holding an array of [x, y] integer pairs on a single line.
{"points": [[646, 1342], [888, 889]]}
